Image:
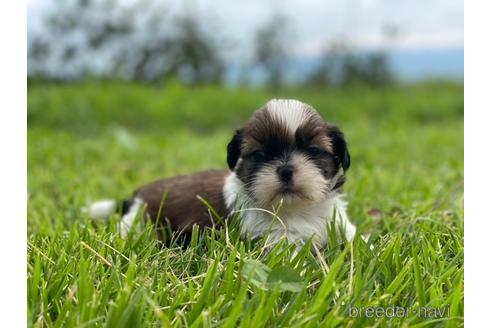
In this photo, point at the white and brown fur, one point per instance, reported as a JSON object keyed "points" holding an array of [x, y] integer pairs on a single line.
{"points": [[287, 168]]}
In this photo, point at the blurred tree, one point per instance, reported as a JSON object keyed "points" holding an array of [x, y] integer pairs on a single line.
{"points": [[271, 51], [37, 53], [196, 52], [75, 35], [137, 41], [376, 70], [340, 66], [329, 70]]}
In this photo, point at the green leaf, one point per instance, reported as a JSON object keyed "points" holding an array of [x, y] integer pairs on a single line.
{"points": [[287, 277], [265, 278], [256, 272]]}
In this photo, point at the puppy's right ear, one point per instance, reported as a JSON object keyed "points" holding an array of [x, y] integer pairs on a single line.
{"points": [[234, 149]]}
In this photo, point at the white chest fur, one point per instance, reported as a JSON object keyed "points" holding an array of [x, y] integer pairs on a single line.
{"points": [[297, 222]]}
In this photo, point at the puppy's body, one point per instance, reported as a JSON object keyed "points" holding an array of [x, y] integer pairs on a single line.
{"points": [[177, 199], [177, 202], [287, 169]]}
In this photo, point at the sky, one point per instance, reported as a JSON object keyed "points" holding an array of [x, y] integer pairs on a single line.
{"points": [[423, 23], [424, 26]]}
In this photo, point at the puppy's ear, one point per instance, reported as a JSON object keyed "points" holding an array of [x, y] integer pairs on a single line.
{"points": [[234, 149], [340, 148]]}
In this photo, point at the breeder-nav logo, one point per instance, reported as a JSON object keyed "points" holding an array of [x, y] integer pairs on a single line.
{"points": [[398, 311]]}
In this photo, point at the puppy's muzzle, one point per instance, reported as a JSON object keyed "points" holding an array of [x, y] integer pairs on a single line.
{"points": [[286, 173]]}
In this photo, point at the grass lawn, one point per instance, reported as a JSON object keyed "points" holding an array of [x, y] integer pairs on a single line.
{"points": [[95, 140]]}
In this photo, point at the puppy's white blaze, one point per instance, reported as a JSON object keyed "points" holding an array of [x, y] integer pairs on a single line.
{"points": [[300, 222], [102, 209], [291, 112], [128, 219]]}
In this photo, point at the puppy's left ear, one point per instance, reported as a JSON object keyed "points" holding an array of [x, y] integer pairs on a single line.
{"points": [[340, 148], [234, 149]]}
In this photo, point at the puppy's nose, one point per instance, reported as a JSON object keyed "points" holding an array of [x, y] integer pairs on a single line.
{"points": [[285, 172]]}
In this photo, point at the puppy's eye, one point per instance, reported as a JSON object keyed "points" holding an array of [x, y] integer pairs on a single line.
{"points": [[315, 151], [259, 156]]}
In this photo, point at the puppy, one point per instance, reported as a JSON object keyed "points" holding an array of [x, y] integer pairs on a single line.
{"points": [[287, 168]]}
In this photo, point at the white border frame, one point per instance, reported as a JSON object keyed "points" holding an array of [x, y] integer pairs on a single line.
{"points": [[478, 164], [13, 171]]}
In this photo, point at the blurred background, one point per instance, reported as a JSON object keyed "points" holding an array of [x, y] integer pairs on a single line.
{"points": [[120, 93], [124, 92], [293, 42]]}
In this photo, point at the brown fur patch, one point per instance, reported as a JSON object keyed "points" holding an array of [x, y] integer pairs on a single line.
{"points": [[174, 200]]}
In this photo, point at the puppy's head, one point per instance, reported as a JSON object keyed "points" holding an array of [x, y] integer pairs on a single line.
{"points": [[287, 152]]}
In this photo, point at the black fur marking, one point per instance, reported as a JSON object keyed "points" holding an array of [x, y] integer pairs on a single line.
{"points": [[340, 148], [125, 206], [234, 149]]}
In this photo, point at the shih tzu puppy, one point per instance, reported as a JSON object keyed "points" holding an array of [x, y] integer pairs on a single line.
{"points": [[287, 169]]}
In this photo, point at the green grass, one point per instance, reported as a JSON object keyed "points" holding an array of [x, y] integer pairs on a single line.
{"points": [[93, 140]]}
